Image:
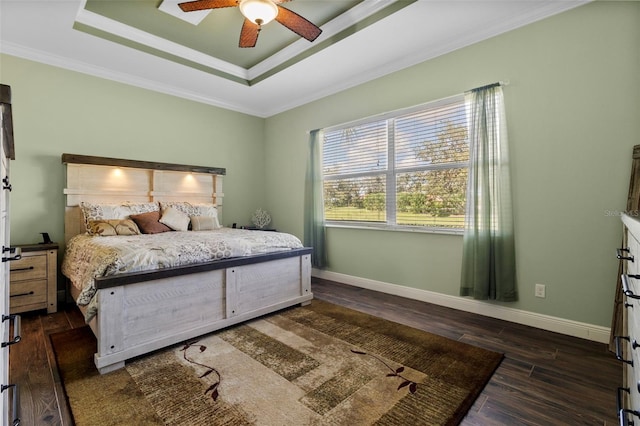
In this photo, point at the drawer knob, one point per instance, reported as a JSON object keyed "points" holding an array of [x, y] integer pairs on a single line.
{"points": [[31, 293], [620, 256], [625, 286], [16, 329], [13, 250], [6, 184], [623, 411], [29, 268], [15, 395], [619, 357]]}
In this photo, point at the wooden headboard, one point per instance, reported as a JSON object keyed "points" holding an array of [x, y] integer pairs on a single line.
{"points": [[114, 180]]}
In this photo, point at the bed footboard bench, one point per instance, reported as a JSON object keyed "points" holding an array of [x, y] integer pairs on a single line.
{"points": [[142, 312]]}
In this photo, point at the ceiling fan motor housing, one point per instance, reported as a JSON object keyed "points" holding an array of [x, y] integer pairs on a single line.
{"points": [[260, 12]]}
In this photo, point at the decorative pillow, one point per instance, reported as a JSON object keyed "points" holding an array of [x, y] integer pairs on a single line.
{"points": [[108, 228], [93, 211], [192, 209], [149, 223], [175, 219], [204, 223]]}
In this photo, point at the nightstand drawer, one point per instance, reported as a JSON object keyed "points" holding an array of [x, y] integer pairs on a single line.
{"points": [[32, 292], [33, 279], [29, 268]]}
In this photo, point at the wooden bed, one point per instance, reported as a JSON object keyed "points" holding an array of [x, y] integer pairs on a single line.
{"points": [[145, 311]]}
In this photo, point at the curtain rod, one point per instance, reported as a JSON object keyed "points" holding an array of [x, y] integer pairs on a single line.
{"points": [[489, 86], [497, 83]]}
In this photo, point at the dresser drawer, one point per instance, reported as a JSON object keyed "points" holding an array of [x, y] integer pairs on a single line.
{"points": [[32, 292], [633, 372], [33, 279], [633, 266], [29, 268]]}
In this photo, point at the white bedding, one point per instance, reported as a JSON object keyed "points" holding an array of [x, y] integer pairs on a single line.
{"points": [[87, 257]]}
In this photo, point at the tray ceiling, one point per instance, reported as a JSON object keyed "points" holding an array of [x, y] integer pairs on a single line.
{"points": [[208, 40], [151, 44]]}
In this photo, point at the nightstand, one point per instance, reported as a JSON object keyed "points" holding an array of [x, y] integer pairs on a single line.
{"points": [[33, 279]]}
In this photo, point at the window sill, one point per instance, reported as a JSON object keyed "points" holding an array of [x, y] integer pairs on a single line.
{"points": [[394, 228]]}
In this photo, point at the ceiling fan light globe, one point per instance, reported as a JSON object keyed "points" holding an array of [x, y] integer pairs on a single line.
{"points": [[260, 12]]}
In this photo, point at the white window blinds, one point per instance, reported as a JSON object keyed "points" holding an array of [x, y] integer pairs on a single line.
{"points": [[407, 168]]}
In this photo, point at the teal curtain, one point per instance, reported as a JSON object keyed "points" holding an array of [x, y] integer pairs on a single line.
{"points": [[488, 258], [314, 229]]}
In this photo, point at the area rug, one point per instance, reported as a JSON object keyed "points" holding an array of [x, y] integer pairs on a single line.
{"points": [[320, 364]]}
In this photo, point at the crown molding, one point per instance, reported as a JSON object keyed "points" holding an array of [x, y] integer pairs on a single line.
{"points": [[536, 13], [127, 32], [120, 77], [335, 26], [265, 101], [276, 62]]}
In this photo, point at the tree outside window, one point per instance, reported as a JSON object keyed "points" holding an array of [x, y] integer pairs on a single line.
{"points": [[408, 169]]}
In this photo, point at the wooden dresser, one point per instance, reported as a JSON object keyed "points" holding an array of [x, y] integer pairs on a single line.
{"points": [[627, 342], [10, 324], [33, 279]]}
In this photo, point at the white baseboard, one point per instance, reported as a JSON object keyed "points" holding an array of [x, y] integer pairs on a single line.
{"points": [[559, 325]]}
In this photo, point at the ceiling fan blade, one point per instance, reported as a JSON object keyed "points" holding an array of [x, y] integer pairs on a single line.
{"points": [[191, 6], [297, 24], [249, 34]]}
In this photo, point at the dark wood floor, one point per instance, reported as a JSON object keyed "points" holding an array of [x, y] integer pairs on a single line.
{"points": [[545, 378]]}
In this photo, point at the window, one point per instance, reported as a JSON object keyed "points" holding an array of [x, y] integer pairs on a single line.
{"points": [[407, 169]]}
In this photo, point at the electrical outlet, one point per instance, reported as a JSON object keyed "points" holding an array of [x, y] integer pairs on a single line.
{"points": [[541, 290]]}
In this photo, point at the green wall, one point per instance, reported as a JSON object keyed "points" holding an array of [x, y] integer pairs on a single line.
{"points": [[59, 111], [573, 111]]}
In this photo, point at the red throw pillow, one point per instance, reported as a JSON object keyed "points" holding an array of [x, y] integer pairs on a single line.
{"points": [[149, 223]]}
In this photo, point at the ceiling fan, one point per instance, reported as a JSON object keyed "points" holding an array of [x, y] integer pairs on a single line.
{"points": [[258, 13]]}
